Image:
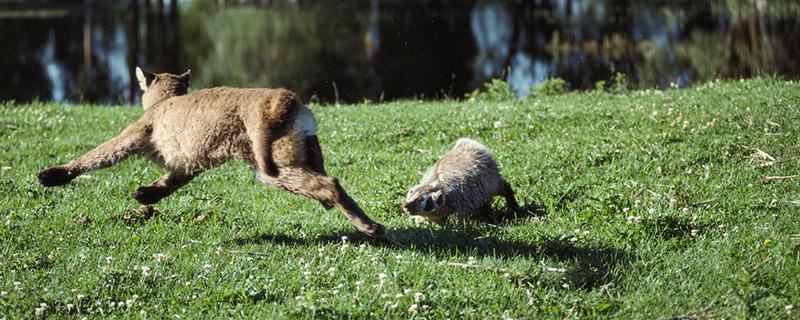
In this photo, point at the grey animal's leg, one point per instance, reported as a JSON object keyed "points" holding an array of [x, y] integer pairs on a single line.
{"points": [[314, 185], [162, 187], [508, 193], [132, 140]]}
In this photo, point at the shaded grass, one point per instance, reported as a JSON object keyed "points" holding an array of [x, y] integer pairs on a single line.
{"points": [[619, 189]]}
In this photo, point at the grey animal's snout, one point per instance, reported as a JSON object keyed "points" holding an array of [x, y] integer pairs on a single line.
{"points": [[407, 207]]}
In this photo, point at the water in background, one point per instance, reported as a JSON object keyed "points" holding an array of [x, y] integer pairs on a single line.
{"points": [[348, 51]]}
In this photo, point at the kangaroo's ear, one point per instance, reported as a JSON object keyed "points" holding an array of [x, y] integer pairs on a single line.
{"points": [[145, 78], [186, 76]]}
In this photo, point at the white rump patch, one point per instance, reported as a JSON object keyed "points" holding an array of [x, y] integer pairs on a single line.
{"points": [[306, 123]]}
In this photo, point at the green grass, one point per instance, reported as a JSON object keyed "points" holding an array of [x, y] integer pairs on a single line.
{"points": [[613, 181]]}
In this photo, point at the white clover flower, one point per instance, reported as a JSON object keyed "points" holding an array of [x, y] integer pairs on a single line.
{"points": [[145, 270], [418, 297], [413, 308], [695, 232], [382, 277]]}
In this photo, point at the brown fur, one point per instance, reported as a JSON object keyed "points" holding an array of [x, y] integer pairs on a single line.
{"points": [[190, 133], [462, 182]]}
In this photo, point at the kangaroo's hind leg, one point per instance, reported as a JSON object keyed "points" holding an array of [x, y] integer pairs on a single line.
{"points": [[312, 184], [315, 161]]}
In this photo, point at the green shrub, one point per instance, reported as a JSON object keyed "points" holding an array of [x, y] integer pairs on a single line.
{"points": [[551, 87], [497, 89]]}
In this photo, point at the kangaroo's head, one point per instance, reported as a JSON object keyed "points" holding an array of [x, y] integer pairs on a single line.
{"points": [[158, 87]]}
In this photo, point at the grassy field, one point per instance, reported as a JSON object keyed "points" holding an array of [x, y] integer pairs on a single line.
{"points": [[648, 204]]}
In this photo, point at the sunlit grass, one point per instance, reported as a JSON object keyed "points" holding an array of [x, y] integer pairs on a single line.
{"points": [[644, 205]]}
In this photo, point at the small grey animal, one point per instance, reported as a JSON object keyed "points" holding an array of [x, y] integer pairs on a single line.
{"points": [[463, 181]]}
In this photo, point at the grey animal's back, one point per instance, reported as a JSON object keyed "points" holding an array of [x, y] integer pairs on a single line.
{"points": [[469, 162]]}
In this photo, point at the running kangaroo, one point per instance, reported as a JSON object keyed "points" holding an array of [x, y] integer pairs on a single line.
{"points": [[190, 133]]}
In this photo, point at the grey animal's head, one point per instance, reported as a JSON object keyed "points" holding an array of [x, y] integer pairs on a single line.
{"points": [[425, 200], [158, 87]]}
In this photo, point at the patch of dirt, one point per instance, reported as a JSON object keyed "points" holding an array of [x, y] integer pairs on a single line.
{"points": [[144, 213]]}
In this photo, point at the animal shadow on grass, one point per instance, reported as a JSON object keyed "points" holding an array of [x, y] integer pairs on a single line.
{"points": [[586, 267], [482, 236], [335, 236]]}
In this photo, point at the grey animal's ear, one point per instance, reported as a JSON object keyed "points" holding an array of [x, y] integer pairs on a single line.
{"points": [[427, 204], [145, 78], [186, 76], [438, 199]]}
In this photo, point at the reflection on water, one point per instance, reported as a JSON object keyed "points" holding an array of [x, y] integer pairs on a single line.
{"points": [[54, 71], [328, 51]]}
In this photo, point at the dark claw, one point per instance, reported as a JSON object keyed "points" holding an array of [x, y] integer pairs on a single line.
{"points": [[55, 176], [148, 195]]}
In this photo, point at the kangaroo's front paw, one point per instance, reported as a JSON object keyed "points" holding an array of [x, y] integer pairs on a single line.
{"points": [[373, 229], [148, 195], [55, 176]]}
